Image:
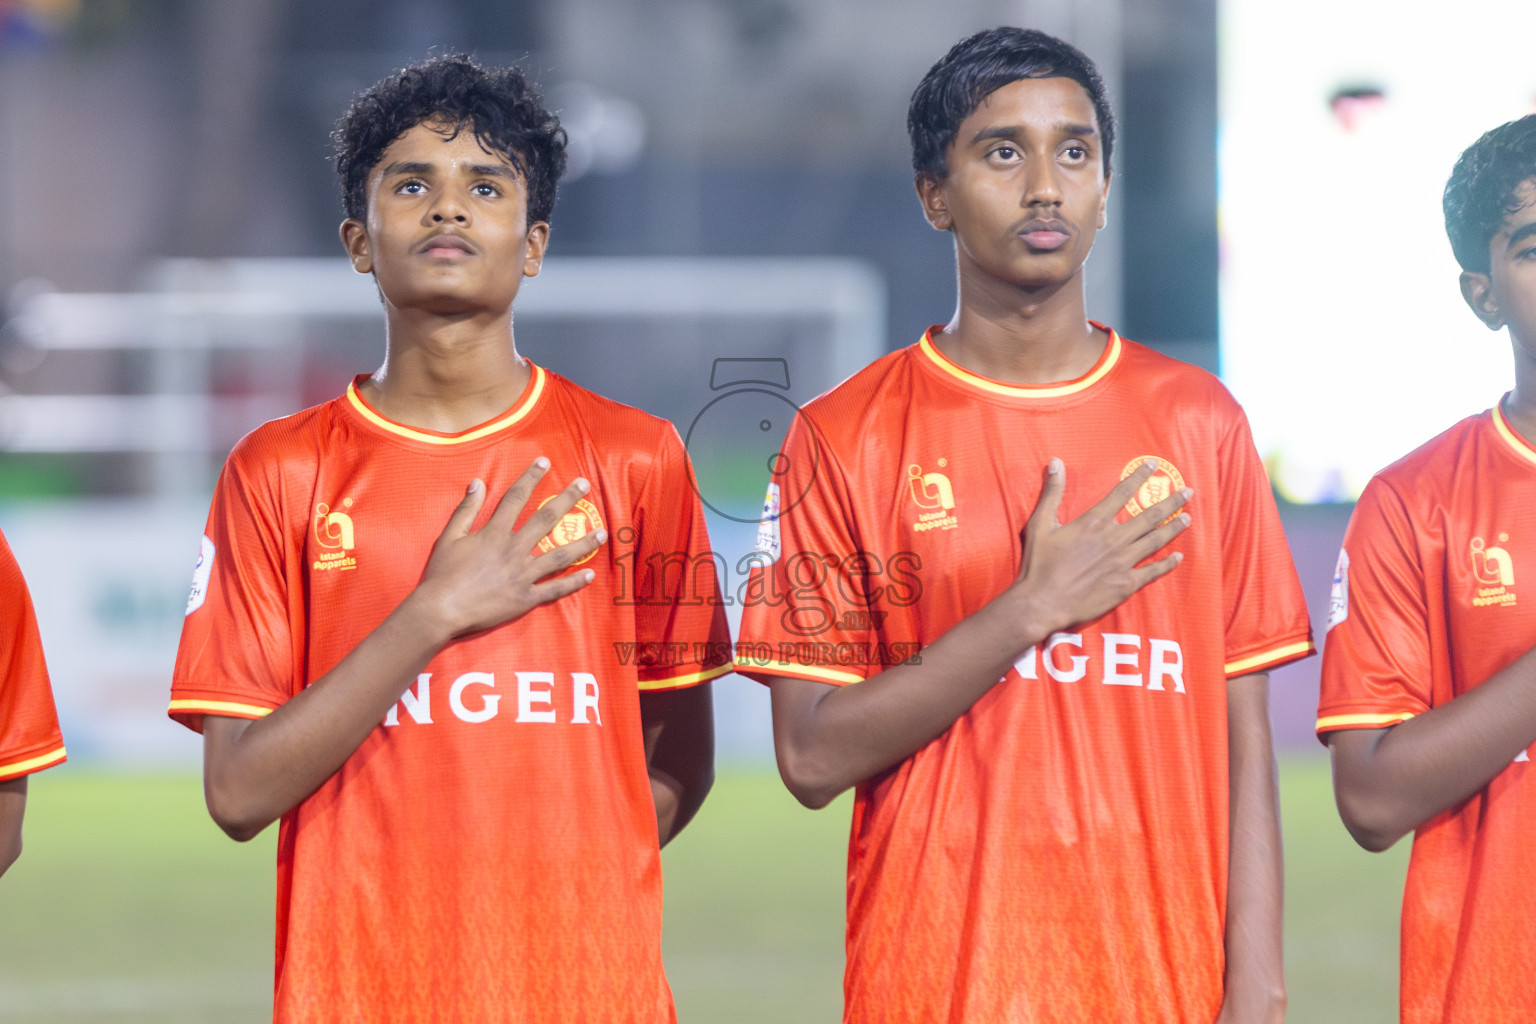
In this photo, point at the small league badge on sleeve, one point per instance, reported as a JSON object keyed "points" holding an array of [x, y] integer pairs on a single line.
{"points": [[200, 576], [768, 525], [1338, 597]]}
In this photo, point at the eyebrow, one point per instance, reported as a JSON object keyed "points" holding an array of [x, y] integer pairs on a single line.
{"points": [[1521, 233], [478, 170], [406, 167], [493, 171], [1014, 131]]}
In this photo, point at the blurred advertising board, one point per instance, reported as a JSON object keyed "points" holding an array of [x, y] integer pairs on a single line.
{"points": [[109, 579]]}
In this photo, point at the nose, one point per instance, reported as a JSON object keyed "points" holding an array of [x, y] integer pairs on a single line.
{"points": [[1041, 185], [448, 207]]}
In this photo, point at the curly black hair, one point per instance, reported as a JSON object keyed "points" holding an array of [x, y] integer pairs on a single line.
{"points": [[981, 64], [502, 106], [1482, 187]]}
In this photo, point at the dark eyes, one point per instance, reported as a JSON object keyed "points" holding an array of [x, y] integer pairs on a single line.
{"points": [[1074, 153], [416, 188]]}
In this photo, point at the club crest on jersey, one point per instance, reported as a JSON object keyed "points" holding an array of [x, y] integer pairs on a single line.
{"points": [[1493, 571], [574, 525], [336, 537], [1164, 481], [935, 496]]}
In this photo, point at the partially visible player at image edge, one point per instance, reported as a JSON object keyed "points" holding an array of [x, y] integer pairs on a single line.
{"points": [[29, 726], [473, 747], [1428, 698], [1066, 806]]}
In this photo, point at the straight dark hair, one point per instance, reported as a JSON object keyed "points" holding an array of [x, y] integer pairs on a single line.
{"points": [[978, 66]]}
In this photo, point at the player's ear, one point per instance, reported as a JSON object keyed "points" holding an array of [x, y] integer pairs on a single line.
{"points": [[1477, 289], [1104, 201], [354, 238], [538, 243], [930, 192]]}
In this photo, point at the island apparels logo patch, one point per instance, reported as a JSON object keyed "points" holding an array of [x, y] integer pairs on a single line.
{"points": [[935, 495], [1494, 572], [336, 536]]}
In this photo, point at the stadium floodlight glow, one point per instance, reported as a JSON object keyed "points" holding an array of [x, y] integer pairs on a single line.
{"points": [[1343, 332]]}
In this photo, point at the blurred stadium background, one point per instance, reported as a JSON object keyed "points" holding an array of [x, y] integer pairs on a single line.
{"points": [[739, 198]]}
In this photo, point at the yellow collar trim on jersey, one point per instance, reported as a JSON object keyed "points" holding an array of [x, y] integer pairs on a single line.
{"points": [[1106, 363], [1521, 446], [517, 412]]}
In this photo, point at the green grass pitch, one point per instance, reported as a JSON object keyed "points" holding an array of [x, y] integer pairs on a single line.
{"points": [[130, 907]]}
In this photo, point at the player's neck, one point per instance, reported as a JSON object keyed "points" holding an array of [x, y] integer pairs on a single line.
{"points": [[447, 373], [1520, 405], [1022, 336]]}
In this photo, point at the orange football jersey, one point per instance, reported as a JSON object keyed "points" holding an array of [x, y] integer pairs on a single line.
{"points": [[29, 727], [490, 852], [1426, 606], [1060, 853]]}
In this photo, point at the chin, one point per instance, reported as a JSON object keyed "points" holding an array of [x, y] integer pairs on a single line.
{"points": [[1045, 270], [442, 301], [1040, 282], [451, 305]]}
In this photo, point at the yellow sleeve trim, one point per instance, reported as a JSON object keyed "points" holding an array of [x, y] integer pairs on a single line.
{"points": [[689, 679], [33, 764], [1359, 721], [1241, 665], [220, 707], [790, 668]]}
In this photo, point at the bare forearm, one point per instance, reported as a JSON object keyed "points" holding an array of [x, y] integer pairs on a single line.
{"points": [[254, 773], [677, 803], [1255, 979], [13, 803], [679, 731], [845, 735], [1389, 782]]}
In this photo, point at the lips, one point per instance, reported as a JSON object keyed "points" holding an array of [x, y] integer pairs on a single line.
{"points": [[1045, 235], [446, 247]]}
